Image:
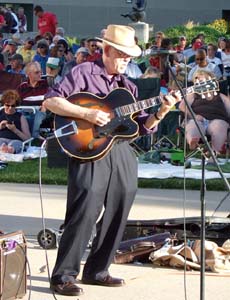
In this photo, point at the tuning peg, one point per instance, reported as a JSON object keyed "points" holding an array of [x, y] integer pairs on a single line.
{"points": [[202, 96], [215, 93], [209, 95]]}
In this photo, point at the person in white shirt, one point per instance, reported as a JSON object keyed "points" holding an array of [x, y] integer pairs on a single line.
{"points": [[211, 58], [201, 63]]}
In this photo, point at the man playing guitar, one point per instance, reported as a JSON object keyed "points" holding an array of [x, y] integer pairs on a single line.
{"points": [[109, 182]]}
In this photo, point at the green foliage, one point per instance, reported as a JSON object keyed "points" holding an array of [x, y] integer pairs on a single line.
{"points": [[220, 25], [211, 31], [72, 40], [28, 172]]}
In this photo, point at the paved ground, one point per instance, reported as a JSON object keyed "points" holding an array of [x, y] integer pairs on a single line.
{"points": [[21, 210]]}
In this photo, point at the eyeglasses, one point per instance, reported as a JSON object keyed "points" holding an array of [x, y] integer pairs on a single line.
{"points": [[93, 45], [37, 72], [122, 54], [10, 105]]}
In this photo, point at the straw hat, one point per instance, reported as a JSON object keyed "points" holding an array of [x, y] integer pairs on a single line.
{"points": [[122, 38]]}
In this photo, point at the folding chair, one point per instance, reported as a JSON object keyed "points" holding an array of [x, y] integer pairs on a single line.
{"points": [[147, 88]]}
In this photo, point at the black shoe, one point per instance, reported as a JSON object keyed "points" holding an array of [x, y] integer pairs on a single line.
{"points": [[105, 281], [67, 289]]}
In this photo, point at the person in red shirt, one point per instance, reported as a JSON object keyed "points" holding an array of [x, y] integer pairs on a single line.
{"points": [[46, 22], [94, 52]]}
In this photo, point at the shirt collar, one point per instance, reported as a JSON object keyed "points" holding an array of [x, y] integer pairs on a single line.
{"points": [[98, 68]]}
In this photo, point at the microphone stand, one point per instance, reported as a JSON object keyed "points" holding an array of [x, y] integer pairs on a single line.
{"points": [[203, 185]]}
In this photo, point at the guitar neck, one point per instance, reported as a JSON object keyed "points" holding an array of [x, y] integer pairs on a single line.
{"points": [[138, 106], [201, 88]]}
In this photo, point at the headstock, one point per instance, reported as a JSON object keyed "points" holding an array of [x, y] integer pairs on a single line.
{"points": [[204, 87]]}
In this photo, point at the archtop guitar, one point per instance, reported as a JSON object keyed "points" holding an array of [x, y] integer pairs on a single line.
{"points": [[92, 142]]}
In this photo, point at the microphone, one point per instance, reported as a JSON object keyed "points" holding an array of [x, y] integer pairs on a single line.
{"points": [[162, 51]]}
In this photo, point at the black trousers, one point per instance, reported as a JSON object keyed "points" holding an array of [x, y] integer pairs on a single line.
{"points": [[110, 183]]}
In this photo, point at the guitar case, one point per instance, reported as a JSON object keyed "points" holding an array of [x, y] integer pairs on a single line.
{"points": [[217, 229]]}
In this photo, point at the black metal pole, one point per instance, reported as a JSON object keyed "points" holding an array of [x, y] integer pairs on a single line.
{"points": [[202, 233]]}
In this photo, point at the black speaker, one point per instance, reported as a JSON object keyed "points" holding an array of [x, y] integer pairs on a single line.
{"points": [[12, 265]]}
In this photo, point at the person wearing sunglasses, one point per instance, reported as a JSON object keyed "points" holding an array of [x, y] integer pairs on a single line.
{"points": [[42, 54], [109, 183], [201, 63], [94, 52], [212, 114], [27, 50], [32, 93], [14, 128]]}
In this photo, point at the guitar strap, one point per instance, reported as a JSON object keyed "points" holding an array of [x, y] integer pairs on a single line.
{"points": [[120, 83]]}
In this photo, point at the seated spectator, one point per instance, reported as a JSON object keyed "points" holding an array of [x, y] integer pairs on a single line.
{"points": [[220, 46], [94, 52], [225, 57], [49, 38], [52, 70], [60, 31], [32, 93], [42, 54], [16, 64], [211, 57], [133, 70], [201, 63], [180, 48], [189, 53], [26, 50], [14, 128], [79, 57], [8, 51], [67, 53], [211, 113], [159, 36]]}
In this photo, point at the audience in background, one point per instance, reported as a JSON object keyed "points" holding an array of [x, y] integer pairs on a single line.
{"points": [[42, 54], [46, 21], [212, 114], [27, 50], [8, 51], [22, 20], [94, 52], [52, 70], [80, 56], [201, 63], [16, 64], [14, 128], [32, 93]]}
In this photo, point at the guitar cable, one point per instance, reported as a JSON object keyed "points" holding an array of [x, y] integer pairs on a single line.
{"points": [[42, 213], [68, 129]]}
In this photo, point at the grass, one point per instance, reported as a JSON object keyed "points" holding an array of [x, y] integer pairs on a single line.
{"points": [[28, 172]]}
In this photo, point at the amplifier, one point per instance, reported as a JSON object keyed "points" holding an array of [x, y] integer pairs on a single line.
{"points": [[12, 265]]}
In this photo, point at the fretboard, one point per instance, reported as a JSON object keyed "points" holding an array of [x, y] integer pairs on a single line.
{"points": [[138, 106]]}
